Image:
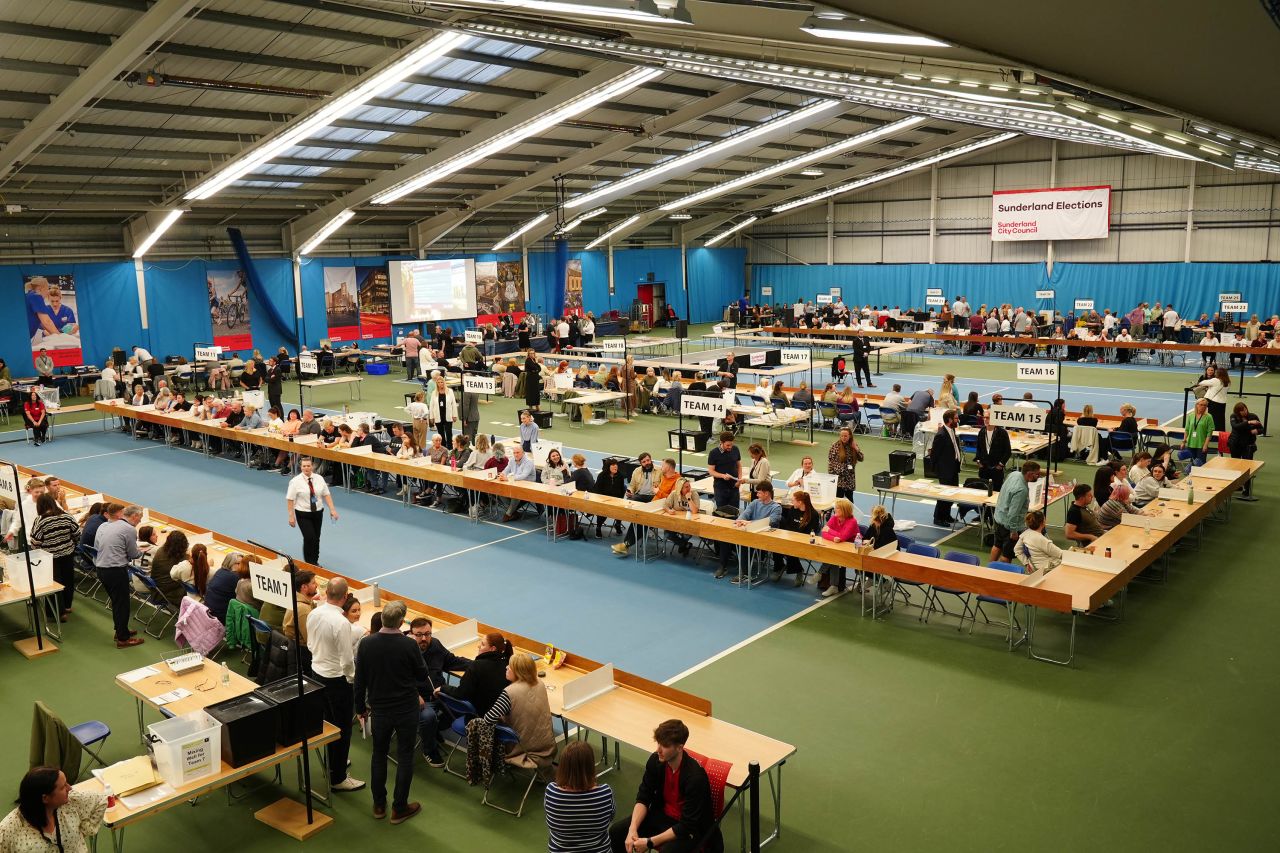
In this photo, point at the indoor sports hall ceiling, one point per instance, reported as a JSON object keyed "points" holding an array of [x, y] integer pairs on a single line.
{"points": [[115, 112]]}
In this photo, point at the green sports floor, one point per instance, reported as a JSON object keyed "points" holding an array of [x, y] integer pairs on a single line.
{"points": [[909, 736]]}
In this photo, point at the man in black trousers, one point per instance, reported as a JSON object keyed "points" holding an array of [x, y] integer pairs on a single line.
{"points": [[306, 497], [861, 363], [946, 456], [673, 809]]}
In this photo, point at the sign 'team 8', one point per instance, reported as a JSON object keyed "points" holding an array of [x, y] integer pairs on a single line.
{"points": [[1069, 213]]}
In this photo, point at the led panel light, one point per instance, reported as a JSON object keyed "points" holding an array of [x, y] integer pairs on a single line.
{"points": [[894, 172], [686, 161], [787, 166], [844, 29], [502, 141], [645, 11], [574, 223], [681, 216], [732, 229], [621, 226], [165, 224], [326, 232], [523, 229], [362, 92]]}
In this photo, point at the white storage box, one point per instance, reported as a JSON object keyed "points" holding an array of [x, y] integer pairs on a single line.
{"points": [[186, 748], [821, 488], [15, 570]]}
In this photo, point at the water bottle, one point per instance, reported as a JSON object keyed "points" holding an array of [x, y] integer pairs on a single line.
{"points": [[688, 514], [1191, 492], [226, 675], [1146, 523], [453, 463], [377, 594], [857, 541], [111, 795]]}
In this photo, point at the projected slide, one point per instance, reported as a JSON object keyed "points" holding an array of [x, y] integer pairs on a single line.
{"points": [[433, 290]]}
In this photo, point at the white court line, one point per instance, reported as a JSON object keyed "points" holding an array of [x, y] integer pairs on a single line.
{"points": [[100, 455], [749, 640], [995, 392], [452, 554]]}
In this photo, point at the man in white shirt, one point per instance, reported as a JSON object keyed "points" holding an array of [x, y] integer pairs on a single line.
{"points": [[304, 499], [333, 662], [143, 356], [34, 489], [960, 312], [1027, 401], [1170, 323], [562, 331], [798, 310]]}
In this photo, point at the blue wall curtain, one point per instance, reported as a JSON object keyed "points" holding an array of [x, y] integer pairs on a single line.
{"points": [[106, 308], [1193, 288]]}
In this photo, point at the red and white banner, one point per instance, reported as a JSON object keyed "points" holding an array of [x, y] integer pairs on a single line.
{"points": [[1066, 213]]}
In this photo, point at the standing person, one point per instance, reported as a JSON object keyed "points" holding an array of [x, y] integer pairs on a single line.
{"points": [[275, 384], [389, 668], [993, 453], [532, 380], [116, 544], [946, 456], [1215, 394], [333, 663], [412, 354], [673, 804], [442, 410], [56, 531], [51, 815], [861, 363], [1198, 430], [1011, 510], [421, 417], [724, 463], [1243, 441], [842, 458], [579, 809], [303, 499], [470, 414]]}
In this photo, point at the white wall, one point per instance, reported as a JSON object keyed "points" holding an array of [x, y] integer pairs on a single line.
{"points": [[1235, 215]]}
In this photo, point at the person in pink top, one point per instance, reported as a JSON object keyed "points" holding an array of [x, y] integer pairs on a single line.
{"points": [[841, 527]]}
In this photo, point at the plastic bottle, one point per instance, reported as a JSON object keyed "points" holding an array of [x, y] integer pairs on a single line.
{"points": [[111, 795], [857, 541], [688, 515], [226, 675], [453, 463], [1191, 492]]}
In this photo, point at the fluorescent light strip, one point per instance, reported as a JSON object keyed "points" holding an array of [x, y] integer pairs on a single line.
{"points": [[730, 230], [894, 172], [842, 29], [685, 161], [590, 214], [621, 226], [361, 93], [326, 232], [165, 224], [528, 226], [645, 11], [794, 163], [503, 141]]}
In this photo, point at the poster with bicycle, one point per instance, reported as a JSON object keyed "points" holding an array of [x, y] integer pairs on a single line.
{"points": [[229, 309], [342, 308], [374, 294], [52, 319]]}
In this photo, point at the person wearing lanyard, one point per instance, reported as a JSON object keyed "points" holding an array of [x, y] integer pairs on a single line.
{"points": [[946, 456], [333, 662], [51, 815], [303, 498], [1198, 430]]}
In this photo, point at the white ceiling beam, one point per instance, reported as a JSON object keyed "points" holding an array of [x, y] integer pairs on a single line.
{"points": [[154, 25], [428, 231], [306, 227]]}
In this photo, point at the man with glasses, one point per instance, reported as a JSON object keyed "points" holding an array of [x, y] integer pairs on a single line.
{"points": [[440, 662]]}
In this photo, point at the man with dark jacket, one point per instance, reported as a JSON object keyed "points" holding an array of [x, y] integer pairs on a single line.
{"points": [[439, 661], [993, 454], [946, 456], [275, 389], [861, 364], [389, 669], [673, 809]]}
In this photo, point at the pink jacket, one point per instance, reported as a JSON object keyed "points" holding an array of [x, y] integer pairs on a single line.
{"points": [[845, 531]]}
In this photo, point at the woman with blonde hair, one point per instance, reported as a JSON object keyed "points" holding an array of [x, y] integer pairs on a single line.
{"points": [[840, 527], [947, 396], [523, 706]]}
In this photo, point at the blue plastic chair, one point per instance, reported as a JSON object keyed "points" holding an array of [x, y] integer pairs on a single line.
{"points": [[463, 712], [505, 738], [154, 599], [955, 557], [1010, 606], [91, 733], [899, 585], [1122, 443]]}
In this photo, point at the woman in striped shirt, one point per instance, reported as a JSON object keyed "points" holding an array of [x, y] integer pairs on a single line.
{"points": [[57, 532], [579, 811]]}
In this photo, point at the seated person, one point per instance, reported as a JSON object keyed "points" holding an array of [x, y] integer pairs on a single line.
{"points": [[519, 469], [1116, 506], [665, 485], [764, 506], [555, 472], [1034, 549], [523, 706], [486, 677], [439, 662], [1148, 486], [1082, 525], [656, 821]]}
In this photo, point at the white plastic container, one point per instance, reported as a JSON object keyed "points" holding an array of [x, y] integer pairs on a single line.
{"points": [[186, 748], [15, 570]]}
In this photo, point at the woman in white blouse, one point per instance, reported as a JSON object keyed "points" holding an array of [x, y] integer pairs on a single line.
{"points": [[51, 816], [1035, 550]]}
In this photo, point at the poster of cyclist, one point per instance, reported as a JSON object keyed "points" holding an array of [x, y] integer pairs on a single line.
{"points": [[340, 305], [499, 291], [229, 309], [52, 321], [375, 302]]}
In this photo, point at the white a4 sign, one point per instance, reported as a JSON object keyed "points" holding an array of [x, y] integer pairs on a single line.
{"points": [[702, 407], [1038, 371], [1019, 417]]}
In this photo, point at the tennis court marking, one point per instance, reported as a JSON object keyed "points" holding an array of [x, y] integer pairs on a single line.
{"points": [[454, 554], [99, 455]]}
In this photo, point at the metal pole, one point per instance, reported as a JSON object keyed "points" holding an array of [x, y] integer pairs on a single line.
{"points": [[753, 799], [292, 569], [26, 552], [812, 400]]}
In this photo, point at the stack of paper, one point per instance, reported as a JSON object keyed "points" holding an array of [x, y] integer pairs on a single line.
{"points": [[128, 777]]}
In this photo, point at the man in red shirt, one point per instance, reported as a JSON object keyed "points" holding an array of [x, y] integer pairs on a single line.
{"points": [[673, 811]]}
